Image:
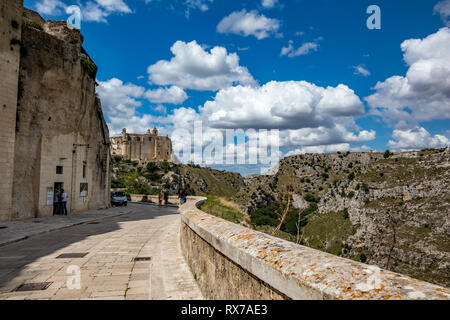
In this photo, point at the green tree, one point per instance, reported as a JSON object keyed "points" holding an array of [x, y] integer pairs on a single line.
{"points": [[151, 167], [345, 213], [351, 176], [117, 183], [165, 166], [387, 154], [311, 198]]}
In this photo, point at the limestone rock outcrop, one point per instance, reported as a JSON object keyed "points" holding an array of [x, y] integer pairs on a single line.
{"points": [[406, 193], [60, 136]]}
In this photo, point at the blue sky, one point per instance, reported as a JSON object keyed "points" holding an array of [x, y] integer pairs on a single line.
{"points": [[308, 68]]}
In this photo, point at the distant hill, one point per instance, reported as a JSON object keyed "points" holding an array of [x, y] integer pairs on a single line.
{"points": [[347, 204], [351, 204], [172, 177]]}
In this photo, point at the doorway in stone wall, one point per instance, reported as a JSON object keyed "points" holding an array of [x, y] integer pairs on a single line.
{"points": [[57, 187]]}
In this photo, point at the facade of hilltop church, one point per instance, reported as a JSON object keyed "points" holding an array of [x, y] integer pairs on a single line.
{"points": [[144, 148]]}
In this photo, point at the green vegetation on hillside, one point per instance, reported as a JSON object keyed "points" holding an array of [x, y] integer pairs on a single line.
{"points": [[269, 217], [154, 177], [328, 231], [222, 208], [206, 181]]}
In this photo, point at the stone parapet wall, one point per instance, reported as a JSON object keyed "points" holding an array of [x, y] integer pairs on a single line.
{"points": [[150, 198], [230, 261]]}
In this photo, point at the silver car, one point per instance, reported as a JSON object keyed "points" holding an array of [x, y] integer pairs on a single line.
{"points": [[118, 198]]}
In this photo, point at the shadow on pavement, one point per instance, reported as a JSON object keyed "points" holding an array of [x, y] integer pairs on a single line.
{"points": [[15, 257]]}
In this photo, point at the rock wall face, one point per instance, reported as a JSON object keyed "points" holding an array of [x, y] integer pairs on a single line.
{"points": [[369, 208], [10, 35], [59, 124]]}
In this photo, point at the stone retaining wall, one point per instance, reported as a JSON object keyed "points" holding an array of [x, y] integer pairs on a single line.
{"points": [[230, 261], [151, 198]]}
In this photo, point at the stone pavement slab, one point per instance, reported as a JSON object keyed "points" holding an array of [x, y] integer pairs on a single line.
{"points": [[23, 229], [109, 269]]}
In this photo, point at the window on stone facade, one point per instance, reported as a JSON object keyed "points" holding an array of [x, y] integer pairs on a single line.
{"points": [[84, 171], [83, 189], [59, 169], [150, 139]]}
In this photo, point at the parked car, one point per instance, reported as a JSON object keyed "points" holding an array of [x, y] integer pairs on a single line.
{"points": [[118, 198]]}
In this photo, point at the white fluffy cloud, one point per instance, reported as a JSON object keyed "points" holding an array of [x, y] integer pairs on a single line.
{"points": [[248, 23], [304, 49], [415, 139], [322, 136], [362, 70], [202, 5], [96, 10], [269, 4], [113, 5], [305, 114], [50, 7], [99, 10], [443, 8], [119, 99], [283, 105], [192, 67], [119, 102], [173, 95], [424, 93], [308, 116]]}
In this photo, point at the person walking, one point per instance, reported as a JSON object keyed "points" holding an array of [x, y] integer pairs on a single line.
{"points": [[160, 199], [166, 198], [56, 202], [63, 202], [184, 196], [180, 197]]}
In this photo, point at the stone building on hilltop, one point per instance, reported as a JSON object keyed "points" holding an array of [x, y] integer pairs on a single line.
{"points": [[53, 134], [144, 148]]}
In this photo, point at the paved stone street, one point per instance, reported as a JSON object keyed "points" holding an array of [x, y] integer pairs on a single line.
{"points": [[109, 269]]}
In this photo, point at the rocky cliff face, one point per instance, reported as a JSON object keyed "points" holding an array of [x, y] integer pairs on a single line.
{"points": [[399, 206], [57, 102]]}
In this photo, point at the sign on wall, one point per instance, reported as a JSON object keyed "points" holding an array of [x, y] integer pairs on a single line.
{"points": [[49, 200]]}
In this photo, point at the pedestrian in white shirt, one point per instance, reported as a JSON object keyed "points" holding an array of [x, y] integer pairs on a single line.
{"points": [[63, 202]]}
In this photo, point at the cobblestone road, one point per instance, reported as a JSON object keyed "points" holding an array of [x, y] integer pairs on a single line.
{"points": [[109, 269]]}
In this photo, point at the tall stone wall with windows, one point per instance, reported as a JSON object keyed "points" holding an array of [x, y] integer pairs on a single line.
{"points": [[142, 147], [59, 124], [50, 118], [10, 39]]}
